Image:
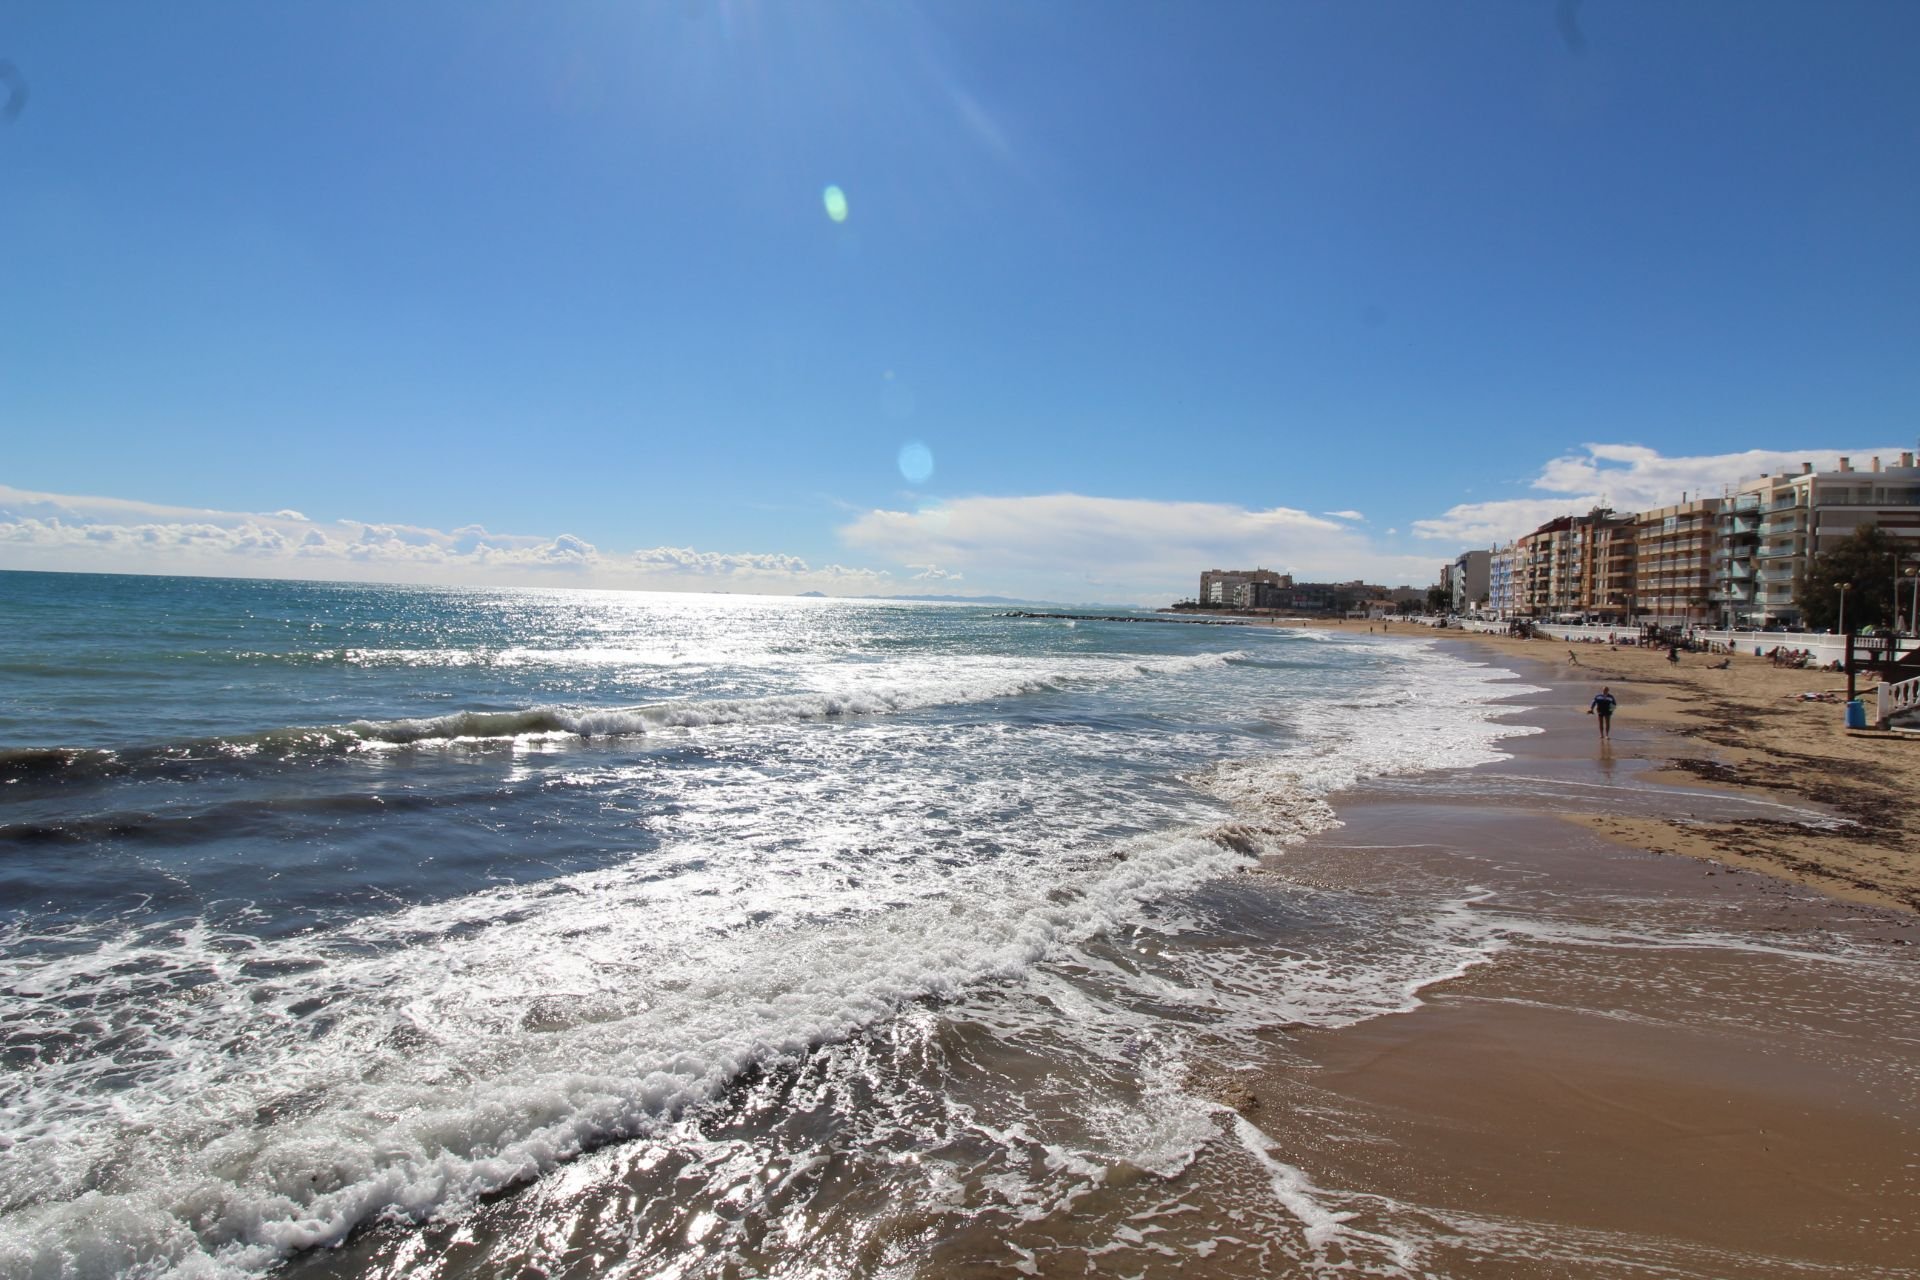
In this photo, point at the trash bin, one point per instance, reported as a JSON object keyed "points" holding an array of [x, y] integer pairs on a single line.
{"points": [[1856, 714]]}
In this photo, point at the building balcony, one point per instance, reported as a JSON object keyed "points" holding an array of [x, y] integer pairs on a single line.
{"points": [[1891, 500]]}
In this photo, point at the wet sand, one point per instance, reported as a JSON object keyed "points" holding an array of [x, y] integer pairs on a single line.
{"points": [[1606, 1097], [1749, 726]]}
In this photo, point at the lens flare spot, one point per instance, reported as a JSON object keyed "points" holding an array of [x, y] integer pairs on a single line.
{"points": [[916, 462], [836, 202]]}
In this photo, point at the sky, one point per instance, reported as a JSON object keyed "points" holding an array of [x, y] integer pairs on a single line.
{"points": [[1063, 301]]}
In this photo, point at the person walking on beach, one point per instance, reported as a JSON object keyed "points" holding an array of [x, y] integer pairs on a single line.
{"points": [[1602, 706]]}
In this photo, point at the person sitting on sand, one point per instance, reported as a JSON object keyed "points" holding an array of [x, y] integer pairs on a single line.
{"points": [[1602, 706]]}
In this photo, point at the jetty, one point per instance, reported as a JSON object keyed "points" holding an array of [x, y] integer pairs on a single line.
{"points": [[1123, 617]]}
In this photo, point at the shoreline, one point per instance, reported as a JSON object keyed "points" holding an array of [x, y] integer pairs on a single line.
{"points": [[1747, 730], [1636, 1065], [1661, 1072]]}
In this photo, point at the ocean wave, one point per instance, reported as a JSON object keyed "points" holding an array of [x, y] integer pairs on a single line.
{"points": [[911, 692], [278, 1095], [1428, 711]]}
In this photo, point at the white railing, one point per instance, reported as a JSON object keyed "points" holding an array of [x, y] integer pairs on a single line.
{"points": [[1823, 649], [1895, 698]]}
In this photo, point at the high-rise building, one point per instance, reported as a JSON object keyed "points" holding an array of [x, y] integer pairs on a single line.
{"points": [[1500, 562], [1467, 580], [1674, 566], [1769, 528], [1577, 566]]}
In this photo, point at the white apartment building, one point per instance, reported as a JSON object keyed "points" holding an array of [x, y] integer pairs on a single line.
{"points": [[1769, 528]]}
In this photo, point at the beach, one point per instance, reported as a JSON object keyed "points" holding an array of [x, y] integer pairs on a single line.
{"points": [[1642, 1065], [1755, 727], [376, 932], [1621, 1093]]}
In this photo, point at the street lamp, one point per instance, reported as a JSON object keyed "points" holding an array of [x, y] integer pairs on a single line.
{"points": [[1844, 587]]}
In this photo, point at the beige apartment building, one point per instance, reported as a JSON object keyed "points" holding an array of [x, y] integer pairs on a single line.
{"points": [[1234, 588], [1770, 527], [1577, 566], [1675, 568]]}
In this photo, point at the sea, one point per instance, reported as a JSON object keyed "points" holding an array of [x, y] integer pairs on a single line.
{"points": [[356, 930]]}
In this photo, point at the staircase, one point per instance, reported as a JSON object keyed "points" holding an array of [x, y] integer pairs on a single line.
{"points": [[1895, 698]]}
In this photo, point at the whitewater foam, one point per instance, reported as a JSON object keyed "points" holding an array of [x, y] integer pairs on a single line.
{"points": [[202, 1100]]}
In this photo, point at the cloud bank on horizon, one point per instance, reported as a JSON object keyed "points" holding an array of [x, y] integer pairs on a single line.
{"points": [[1054, 547], [1065, 546], [86, 534]]}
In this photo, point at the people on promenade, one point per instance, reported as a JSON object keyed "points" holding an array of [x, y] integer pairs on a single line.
{"points": [[1602, 707]]}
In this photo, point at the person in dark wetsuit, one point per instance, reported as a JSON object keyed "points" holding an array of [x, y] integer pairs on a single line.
{"points": [[1602, 706]]}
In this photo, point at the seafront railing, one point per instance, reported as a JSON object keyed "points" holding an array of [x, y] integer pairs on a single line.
{"points": [[1822, 648]]}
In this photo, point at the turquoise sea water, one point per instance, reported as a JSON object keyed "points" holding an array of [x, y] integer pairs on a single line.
{"points": [[328, 909]]}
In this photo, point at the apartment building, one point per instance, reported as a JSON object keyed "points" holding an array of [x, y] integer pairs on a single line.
{"points": [[1675, 569], [1769, 528], [1500, 562], [1467, 580], [1577, 566], [1234, 588]]}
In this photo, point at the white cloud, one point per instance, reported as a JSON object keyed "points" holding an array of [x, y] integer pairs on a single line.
{"points": [[1625, 477], [933, 573], [1344, 515], [1074, 547], [53, 531]]}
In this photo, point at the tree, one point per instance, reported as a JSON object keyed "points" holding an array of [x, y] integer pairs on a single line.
{"points": [[1867, 562], [1439, 600]]}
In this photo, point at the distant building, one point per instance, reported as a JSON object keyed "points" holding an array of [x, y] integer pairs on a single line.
{"points": [[1500, 581], [1324, 597], [1328, 597], [1233, 588], [1467, 580]]}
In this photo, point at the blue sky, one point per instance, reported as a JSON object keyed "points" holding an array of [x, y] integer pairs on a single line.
{"points": [[540, 292]]}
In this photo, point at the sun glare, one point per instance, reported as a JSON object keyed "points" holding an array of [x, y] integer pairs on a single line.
{"points": [[836, 202]]}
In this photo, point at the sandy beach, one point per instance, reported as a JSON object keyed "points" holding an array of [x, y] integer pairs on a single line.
{"points": [[1750, 726], [1644, 1083]]}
